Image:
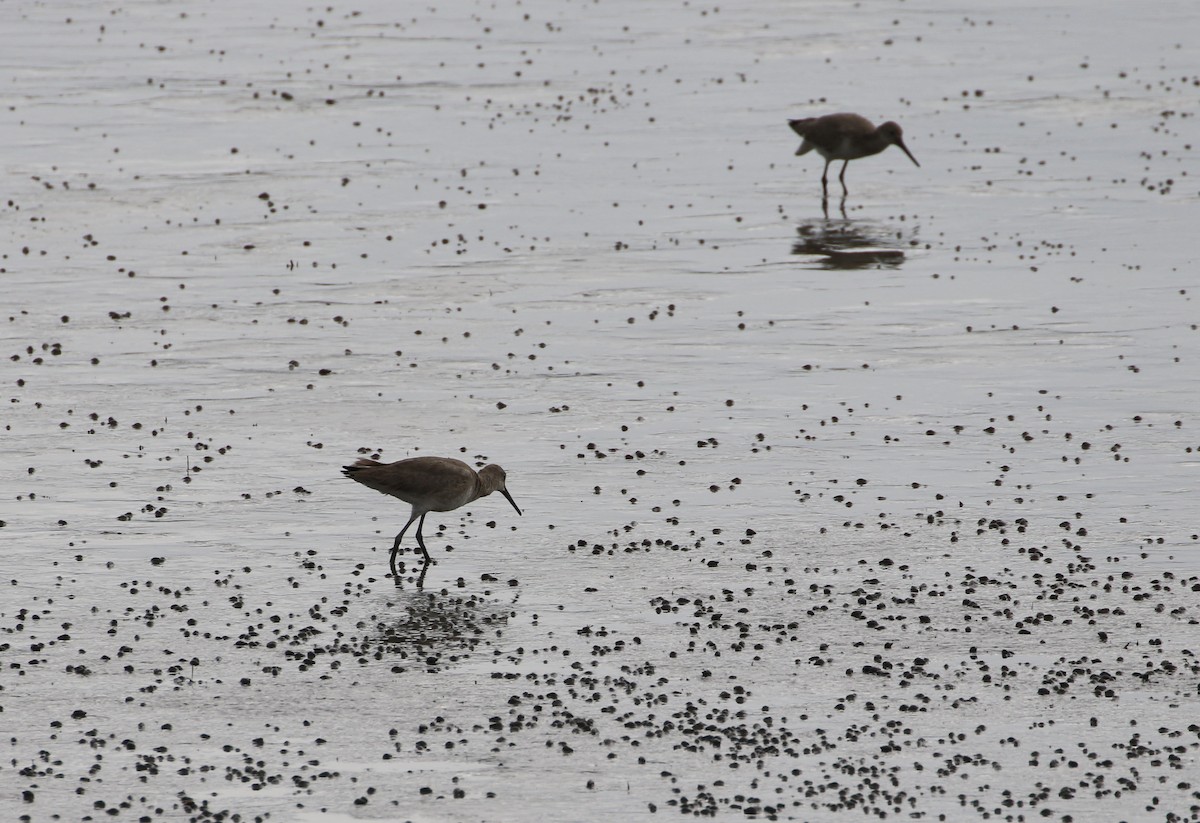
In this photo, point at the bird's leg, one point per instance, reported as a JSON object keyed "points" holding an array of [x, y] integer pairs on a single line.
{"points": [[396, 546], [825, 178], [842, 178], [421, 542], [421, 576]]}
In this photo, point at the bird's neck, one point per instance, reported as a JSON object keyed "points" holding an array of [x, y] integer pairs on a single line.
{"points": [[876, 142], [487, 483]]}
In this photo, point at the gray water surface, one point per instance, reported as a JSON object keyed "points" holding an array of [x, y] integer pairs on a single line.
{"points": [[883, 507]]}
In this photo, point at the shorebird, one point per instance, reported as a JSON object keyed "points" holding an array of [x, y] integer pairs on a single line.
{"points": [[430, 484], [846, 137]]}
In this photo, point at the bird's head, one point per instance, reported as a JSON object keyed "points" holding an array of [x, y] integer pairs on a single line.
{"points": [[494, 478], [895, 136]]}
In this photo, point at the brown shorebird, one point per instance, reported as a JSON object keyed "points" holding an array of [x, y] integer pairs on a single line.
{"points": [[846, 137], [430, 484]]}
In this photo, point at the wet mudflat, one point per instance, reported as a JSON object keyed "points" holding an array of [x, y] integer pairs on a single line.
{"points": [[882, 507]]}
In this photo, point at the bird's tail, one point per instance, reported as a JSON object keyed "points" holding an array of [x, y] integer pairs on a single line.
{"points": [[801, 127], [359, 464]]}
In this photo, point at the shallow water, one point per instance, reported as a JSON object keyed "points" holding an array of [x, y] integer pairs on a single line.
{"points": [[879, 507]]}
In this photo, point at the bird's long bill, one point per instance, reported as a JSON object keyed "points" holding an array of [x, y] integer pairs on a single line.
{"points": [[904, 149], [510, 500]]}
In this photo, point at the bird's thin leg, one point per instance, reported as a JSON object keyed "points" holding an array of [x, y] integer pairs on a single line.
{"points": [[400, 536], [396, 545], [825, 178], [842, 178], [421, 576], [421, 542]]}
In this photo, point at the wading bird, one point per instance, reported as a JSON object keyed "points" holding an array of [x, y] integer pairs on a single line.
{"points": [[846, 137], [429, 484]]}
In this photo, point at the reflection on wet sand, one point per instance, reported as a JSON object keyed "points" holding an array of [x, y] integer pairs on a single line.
{"points": [[849, 244], [433, 629]]}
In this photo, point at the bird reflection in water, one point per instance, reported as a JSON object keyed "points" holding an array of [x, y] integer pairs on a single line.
{"points": [[849, 244], [433, 630]]}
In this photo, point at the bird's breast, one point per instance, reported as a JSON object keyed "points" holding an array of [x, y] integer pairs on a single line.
{"points": [[451, 500]]}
